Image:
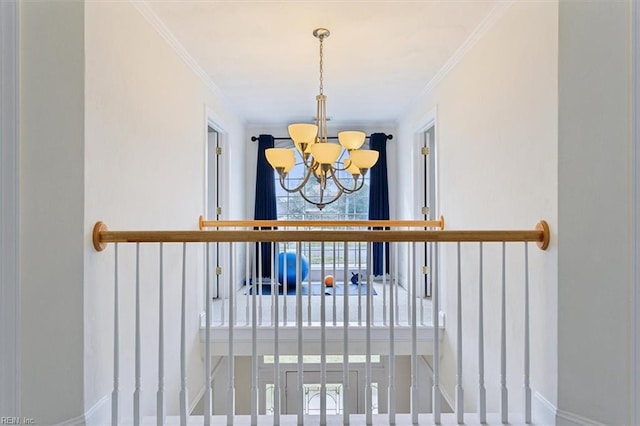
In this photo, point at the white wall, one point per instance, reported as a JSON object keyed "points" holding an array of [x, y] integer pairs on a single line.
{"points": [[145, 169], [594, 213], [52, 233], [496, 136], [9, 214]]}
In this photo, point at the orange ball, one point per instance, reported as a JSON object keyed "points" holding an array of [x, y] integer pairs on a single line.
{"points": [[328, 280]]}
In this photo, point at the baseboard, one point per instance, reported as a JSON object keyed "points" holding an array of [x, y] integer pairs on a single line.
{"points": [[92, 416], [571, 419], [543, 412]]}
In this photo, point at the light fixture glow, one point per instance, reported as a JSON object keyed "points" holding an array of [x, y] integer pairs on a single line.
{"points": [[323, 160]]}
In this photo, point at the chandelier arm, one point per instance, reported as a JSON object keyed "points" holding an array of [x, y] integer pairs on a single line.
{"points": [[342, 187], [299, 187], [356, 187], [338, 161], [321, 205]]}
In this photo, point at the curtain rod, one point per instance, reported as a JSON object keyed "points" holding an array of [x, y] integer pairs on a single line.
{"points": [[255, 138]]}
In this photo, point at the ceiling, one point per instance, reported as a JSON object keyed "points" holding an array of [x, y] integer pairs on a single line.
{"points": [[263, 58]]}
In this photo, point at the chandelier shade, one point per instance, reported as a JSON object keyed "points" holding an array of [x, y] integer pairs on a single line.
{"points": [[364, 159], [323, 161], [325, 153], [281, 158], [351, 139]]}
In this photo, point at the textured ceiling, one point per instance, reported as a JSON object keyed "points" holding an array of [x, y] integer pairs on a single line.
{"points": [[379, 57]]}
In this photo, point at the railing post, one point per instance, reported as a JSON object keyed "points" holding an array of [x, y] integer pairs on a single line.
{"points": [[323, 342], [414, 335], [231, 393], [527, 387], [276, 324], [137, 413], [183, 341], [482, 393], [160, 403], [435, 294], [369, 319], [345, 351], [392, 352], [300, 337], [115, 394], [459, 389], [254, 342], [504, 401], [207, 347]]}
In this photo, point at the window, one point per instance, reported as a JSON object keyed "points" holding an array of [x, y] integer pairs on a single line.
{"points": [[291, 206]]}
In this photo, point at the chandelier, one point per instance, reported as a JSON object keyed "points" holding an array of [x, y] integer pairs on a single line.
{"points": [[323, 160]]}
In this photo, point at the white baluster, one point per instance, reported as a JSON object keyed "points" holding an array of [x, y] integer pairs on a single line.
{"points": [[384, 284], [275, 281], [323, 343], [285, 279], [231, 392], [414, 334], [160, 403], [276, 337], [459, 389], [207, 343], [254, 344], [300, 338], [183, 341], [115, 394], [335, 282], [248, 281], [423, 283], [345, 351], [369, 319], [260, 274], [137, 414], [370, 281], [527, 387], [309, 289], [504, 402], [392, 354], [397, 278], [482, 392], [410, 286], [436, 339], [359, 284]]}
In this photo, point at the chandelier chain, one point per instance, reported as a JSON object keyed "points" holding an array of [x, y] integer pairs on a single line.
{"points": [[321, 63]]}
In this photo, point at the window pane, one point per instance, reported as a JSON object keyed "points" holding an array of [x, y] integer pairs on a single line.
{"points": [[291, 206]]}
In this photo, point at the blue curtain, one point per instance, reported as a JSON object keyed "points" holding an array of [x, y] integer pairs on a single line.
{"points": [[265, 205], [379, 199]]}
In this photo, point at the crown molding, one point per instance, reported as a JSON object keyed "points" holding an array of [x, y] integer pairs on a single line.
{"points": [[158, 24], [485, 25]]}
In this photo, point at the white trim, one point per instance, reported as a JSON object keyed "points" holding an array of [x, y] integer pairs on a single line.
{"points": [[567, 418], [443, 391], [9, 214], [543, 412], [635, 109], [85, 419], [143, 7], [485, 25]]}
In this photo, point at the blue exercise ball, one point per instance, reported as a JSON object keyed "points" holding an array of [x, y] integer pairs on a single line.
{"points": [[292, 263]]}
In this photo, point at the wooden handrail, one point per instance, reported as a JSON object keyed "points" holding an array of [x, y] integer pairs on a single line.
{"points": [[202, 223], [102, 236]]}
